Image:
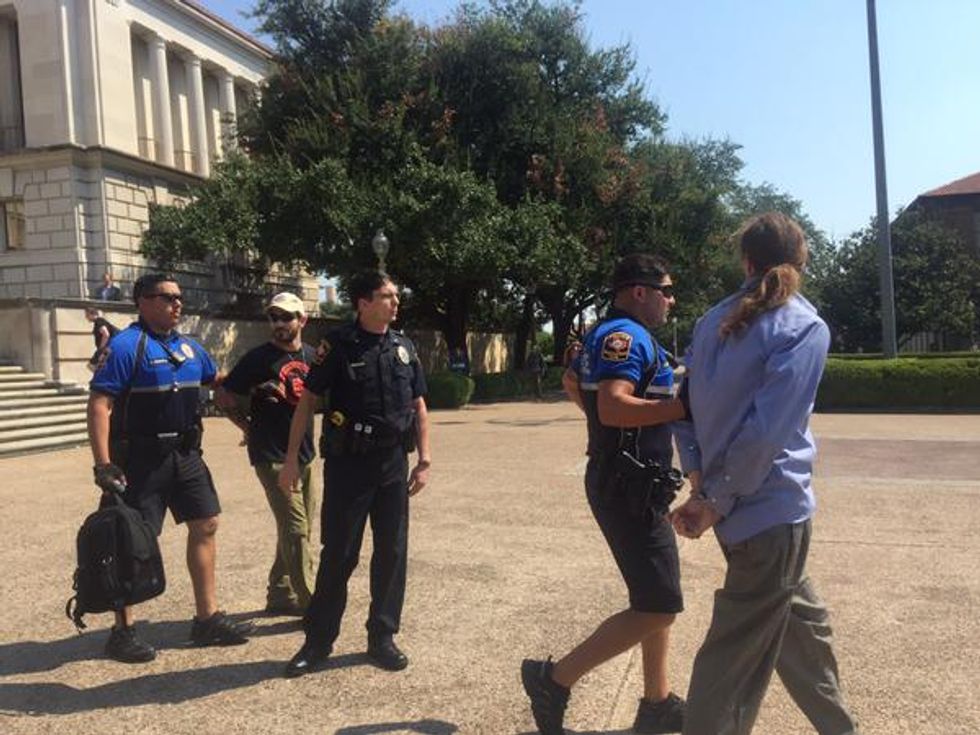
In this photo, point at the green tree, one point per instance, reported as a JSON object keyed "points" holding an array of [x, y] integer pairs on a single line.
{"points": [[935, 279]]}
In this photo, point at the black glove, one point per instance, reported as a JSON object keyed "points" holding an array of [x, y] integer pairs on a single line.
{"points": [[110, 478]]}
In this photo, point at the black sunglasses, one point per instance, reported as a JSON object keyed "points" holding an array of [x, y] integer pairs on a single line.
{"points": [[667, 289], [281, 316], [170, 298]]}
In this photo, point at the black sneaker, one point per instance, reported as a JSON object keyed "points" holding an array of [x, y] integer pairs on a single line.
{"points": [[548, 697], [220, 630], [660, 717], [123, 645]]}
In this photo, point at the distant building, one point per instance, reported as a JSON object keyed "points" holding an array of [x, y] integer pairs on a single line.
{"points": [[957, 206], [107, 107]]}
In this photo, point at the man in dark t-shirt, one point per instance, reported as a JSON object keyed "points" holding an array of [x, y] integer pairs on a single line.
{"points": [[273, 376], [102, 331]]}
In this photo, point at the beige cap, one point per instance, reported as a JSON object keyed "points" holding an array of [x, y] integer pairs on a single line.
{"points": [[286, 301]]}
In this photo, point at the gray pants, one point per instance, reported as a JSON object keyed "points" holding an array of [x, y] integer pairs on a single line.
{"points": [[767, 616]]}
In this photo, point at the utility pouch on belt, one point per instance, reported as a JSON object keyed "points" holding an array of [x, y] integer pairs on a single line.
{"points": [[647, 487]]}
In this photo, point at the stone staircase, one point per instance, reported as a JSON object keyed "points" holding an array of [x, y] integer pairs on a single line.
{"points": [[37, 414]]}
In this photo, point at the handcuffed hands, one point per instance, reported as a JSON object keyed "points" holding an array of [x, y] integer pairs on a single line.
{"points": [[694, 517]]}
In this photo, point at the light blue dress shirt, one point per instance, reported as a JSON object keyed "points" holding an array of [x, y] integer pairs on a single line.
{"points": [[751, 398]]}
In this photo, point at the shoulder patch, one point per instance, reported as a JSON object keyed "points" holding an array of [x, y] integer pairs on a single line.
{"points": [[322, 350], [616, 346]]}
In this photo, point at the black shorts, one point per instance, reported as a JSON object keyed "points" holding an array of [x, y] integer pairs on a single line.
{"points": [[645, 550], [178, 480]]}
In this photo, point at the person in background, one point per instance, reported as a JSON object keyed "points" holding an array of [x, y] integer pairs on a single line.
{"points": [[102, 331]]}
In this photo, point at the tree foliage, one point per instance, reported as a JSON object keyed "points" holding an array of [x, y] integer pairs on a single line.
{"points": [[935, 279], [509, 161]]}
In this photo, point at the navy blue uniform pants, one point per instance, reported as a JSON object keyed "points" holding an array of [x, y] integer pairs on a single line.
{"points": [[357, 488]]}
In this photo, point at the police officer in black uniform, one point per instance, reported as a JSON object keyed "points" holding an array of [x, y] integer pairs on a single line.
{"points": [[145, 429], [375, 416], [623, 381]]}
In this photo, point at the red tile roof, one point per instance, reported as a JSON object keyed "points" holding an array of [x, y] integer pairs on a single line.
{"points": [[967, 185]]}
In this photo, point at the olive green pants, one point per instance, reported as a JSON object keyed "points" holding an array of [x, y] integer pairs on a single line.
{"points": [[292, 573], [767, 617]]}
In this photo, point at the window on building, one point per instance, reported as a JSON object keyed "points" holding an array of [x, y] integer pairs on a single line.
{"points": [[12, 224], [11, 100]]}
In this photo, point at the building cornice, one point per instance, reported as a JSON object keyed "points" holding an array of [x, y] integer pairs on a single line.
{"points": [[209, 18], [96, 157]]}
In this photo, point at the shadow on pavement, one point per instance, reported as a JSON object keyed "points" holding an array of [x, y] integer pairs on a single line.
{"points": [[30, 657], [46, 698], [423, 727], [535, 422]]}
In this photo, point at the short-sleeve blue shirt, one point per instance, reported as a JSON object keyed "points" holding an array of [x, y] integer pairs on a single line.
{"points": [[620, 348], [161, 395]]}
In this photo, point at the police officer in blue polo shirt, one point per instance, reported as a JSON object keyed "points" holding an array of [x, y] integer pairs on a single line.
{"points": [[623, 381], [145, 431]]}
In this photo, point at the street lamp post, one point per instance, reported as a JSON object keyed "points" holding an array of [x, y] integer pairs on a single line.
{"points": [[888, 339], [380, 246]]}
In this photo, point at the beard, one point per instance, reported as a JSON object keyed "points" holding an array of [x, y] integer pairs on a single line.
{"points": [[285, 334]]}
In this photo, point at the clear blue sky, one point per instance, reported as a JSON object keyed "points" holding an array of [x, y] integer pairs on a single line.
{"points": [[788, 80]]}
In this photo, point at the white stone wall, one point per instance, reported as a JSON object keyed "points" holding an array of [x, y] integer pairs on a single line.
{"points": [[94, 107], [48, 265]]}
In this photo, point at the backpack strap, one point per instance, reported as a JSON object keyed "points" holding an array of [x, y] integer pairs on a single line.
{"points": [[140, 353]]}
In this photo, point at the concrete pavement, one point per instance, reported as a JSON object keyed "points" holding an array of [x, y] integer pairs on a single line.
{"points": [[505, 562]]}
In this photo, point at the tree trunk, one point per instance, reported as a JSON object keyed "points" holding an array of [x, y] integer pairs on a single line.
{"points": [[524, 330], [563, 325], [455, 323]]}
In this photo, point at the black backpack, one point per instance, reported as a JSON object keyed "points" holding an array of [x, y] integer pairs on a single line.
{"points": [[119, 561]]}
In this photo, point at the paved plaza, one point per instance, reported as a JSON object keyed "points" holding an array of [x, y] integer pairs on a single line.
{"points": [[505, 562]]}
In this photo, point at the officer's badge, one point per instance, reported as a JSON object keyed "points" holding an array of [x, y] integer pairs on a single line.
{"points": [[403, 355], [187, 350], [322, 350], [616, 346]]}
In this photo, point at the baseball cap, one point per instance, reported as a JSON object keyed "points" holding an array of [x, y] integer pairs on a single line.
{"points": [[638, 269], [286, 301]]}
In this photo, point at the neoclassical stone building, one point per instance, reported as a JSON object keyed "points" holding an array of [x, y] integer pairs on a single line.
{"points": [[107, 106]]}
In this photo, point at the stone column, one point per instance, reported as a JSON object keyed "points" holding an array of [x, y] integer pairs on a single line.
{"points": [[163, 127], [199, 127], [229, 113]]}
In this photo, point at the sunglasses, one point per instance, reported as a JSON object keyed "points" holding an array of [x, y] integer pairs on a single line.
{"points": [[281, 316], [666, 289], [170, 298]]}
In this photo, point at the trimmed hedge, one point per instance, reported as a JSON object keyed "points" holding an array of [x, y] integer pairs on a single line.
{"points": [[448, 390], [904, 355], [514, 384], [903, 383]]}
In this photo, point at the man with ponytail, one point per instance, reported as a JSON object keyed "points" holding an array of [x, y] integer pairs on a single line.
{"points": [[753, 368]]}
